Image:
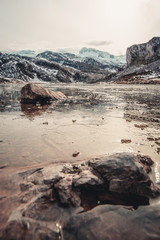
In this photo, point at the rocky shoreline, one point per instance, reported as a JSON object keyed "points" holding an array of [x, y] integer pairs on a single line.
{"points": [[78, 201]]}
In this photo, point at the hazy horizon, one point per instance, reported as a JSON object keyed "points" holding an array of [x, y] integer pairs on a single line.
{"points": [[107, 25]]}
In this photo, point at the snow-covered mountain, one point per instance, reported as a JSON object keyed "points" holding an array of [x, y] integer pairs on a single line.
{"points": [[87, 60], [16, 67], [102, 57], [89, 65], [33, 69], [27, 53]]}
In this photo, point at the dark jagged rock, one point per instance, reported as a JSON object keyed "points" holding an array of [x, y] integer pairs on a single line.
{"points": [[119, 175], [144, 53], [139, 74], [123, 174], [143, 61], [32, 93], [146, 161], [54, 201], [26, 68]]}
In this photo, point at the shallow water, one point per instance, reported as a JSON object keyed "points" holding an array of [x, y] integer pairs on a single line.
{"points": [[91, 123]]}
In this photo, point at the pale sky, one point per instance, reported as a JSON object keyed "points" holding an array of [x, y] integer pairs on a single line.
{"points": [[108, 25]]}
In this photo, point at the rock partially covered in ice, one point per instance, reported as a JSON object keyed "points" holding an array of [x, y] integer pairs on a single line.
{"points": [[32, 93]]}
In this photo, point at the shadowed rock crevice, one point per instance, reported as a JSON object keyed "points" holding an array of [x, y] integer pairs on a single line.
{"points": [[91, 199]]}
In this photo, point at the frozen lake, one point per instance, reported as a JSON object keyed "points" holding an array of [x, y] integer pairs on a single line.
{"points": [[93, 122]]}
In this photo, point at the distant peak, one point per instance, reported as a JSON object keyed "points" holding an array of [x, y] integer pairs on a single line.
{"points": [[84, 49]]}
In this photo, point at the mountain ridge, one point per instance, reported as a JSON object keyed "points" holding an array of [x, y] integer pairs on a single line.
{"points": [[89, 65], [87, 60]]}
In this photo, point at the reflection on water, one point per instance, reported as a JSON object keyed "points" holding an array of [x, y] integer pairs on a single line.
{"points": [[32, 110], [9, 95], [91, 121]]}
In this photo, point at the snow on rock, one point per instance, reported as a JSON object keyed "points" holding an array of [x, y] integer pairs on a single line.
{"points": [[88, 60], [102, 57], [32, 69]]}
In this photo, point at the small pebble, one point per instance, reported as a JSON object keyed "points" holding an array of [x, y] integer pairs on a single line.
{"points": [[45, 123]]}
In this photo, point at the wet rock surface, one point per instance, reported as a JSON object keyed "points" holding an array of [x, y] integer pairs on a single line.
{"points": [[27, 229], [112, 222], [76, 201], [123, 174], [146, 161], [32, 93]]}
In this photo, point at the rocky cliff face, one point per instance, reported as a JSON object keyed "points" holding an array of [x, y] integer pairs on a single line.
{"points": [[144, 53], [143, 64]]}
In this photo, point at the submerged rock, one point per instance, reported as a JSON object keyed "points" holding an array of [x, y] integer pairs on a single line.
{"points": [[32, 93], [126, 141], [114, 222], [19, 228]]}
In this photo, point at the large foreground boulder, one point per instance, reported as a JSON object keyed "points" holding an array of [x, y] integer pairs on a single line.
{"points": [[116, 179], [77, 201], [32, 93]]}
